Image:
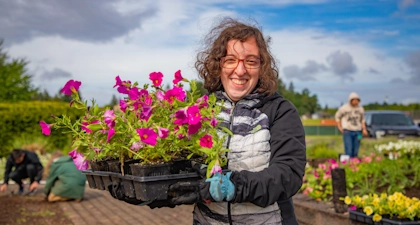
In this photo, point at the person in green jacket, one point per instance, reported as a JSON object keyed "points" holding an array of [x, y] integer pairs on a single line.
{"points": [[65, 182]]}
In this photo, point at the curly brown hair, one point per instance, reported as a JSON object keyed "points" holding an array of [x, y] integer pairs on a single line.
{"points": [[208, 60]]}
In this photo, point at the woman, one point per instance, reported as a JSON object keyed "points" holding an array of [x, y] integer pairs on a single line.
{"points": [[65, 182], [267, 150]]}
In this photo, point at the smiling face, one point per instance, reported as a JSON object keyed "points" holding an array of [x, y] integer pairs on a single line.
{"points": [[240, 81]]}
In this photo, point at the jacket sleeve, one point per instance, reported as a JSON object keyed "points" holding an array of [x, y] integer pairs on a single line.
{"points": [[8, 169], [283, 177]]}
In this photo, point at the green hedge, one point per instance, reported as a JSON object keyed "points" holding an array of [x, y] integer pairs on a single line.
{"points": [[21, 119]]}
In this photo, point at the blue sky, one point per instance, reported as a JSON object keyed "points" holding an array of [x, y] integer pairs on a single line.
{"points": [[330, 47]]}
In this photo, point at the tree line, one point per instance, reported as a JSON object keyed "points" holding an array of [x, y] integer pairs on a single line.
{"points": [[16, 85]]}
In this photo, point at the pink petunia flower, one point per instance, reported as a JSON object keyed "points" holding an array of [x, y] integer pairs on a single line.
{"points": [[71, 87], [136, 146], [352, 207], [147, 136], [206, 141], [213, 122], [181, 117], [163, 132], [156, 78], [194, 115], [160, 96], [194, 128], [109, 118], [146, 112], [178, 77], [123, 86], [175, 93], [79, 160], [111, 133], [45, 127], [216, 169], [123, 105], [134, 93], [203, 101]]}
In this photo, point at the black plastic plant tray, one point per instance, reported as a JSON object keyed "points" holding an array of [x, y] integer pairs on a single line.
{"points": [[156, 187], [105, 176], [361, 217], [89, 178]]}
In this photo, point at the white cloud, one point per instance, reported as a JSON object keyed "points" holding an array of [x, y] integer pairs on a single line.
{"points": [[170, 38]]}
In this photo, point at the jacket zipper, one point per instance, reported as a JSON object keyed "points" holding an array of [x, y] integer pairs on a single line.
{"points": [[227, 146]]}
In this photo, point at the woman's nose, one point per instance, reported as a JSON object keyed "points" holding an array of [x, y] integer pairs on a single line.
{"points": [[240, 69]]}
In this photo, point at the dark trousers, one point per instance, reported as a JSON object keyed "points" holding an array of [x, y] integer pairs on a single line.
{"points": [[351, 141], [22, 172], [287, 212]]}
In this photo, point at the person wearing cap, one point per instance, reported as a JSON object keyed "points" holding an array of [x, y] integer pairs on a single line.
{"points": [[351, 123]]}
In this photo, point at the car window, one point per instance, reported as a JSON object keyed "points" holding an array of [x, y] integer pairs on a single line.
{"points": [[392, 119]]}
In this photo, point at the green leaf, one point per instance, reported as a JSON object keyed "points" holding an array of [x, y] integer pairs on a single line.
{"points": [[94, 127], [226, 130]]}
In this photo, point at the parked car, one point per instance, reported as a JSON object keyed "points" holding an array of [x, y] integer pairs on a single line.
{"points": [[382, 123]]}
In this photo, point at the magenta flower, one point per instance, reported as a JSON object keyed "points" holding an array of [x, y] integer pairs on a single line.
{"points": [[71, 87], [146, 112], [163, 132], [175, 93], [79, 160], [352, 207], [213, 122], [111, 133], [194, 128], [123, 86], [178, 77], [45, 127], [147, 136], [203, 101], [194, 115], [123, 105], [109, 118], [181, 117], [206, 141], [134, 93], [156, 78], [97, 150]]}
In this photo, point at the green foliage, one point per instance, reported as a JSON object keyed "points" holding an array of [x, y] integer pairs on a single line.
{"points": [[382, 175], [321, 150], [304, 101], [15, 82], [20, 120]]}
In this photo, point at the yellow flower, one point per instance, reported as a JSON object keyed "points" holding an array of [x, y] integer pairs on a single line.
{"points": [[377, 217], [347, 200], [368, 210], [383, 196]]}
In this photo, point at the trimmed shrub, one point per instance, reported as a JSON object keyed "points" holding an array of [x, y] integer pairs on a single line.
{"points": [[21, 119]]}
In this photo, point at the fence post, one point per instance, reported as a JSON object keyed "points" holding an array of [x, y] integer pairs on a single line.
{"points": [[339, 189]]}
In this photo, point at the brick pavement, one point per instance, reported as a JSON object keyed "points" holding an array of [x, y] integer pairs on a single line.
{"points": [[99, 208]]}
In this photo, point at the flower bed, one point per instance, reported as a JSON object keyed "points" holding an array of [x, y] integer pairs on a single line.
{"points": [[372, 175]]}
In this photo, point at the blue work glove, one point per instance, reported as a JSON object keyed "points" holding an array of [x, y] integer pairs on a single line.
{"points": [[215, 189], [221, 188]]}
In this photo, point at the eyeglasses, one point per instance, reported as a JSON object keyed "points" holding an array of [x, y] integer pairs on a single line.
{"points": [[231, 62]]}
